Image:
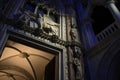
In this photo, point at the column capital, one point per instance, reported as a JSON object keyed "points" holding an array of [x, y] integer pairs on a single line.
{"points": [[114, 10], [108, 2], [111, 1]]}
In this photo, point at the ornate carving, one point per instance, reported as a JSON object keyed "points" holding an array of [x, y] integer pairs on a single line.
{"points": [[24, 21], [78, 69], [49, 26], [76, 48], [76, 52], [73, 33], [77, 65]]}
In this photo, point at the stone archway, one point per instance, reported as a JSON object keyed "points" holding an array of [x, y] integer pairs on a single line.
{"points": [[21, 62], [109, 66]]}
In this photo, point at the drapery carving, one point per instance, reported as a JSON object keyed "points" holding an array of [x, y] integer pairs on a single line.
{"points": [[50, 25]]}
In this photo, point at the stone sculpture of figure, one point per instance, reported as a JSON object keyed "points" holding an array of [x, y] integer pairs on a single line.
{"points": [[77, 65], [73, 32], [43, 25], [78, 69], [48, 29], [46, 23]]}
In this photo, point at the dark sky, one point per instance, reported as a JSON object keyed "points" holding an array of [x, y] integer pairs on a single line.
{"points": [[101, 18]]}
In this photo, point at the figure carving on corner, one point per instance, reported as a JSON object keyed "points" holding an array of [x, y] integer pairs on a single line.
{"points": [[78, 69], [73, 33], [77, 65]]}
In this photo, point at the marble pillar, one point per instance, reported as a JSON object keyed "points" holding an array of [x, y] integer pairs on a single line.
{"points": [[114, 10]]}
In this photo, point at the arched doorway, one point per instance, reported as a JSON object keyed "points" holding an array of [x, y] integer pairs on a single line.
{"points": [[21, 62]]}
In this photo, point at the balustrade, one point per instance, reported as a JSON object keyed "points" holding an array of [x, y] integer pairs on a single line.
{"points": [[108, 31]]}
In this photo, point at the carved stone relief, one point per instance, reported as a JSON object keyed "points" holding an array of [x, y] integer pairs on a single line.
{"points": [[74, 33], [48, 25], [44, 22], [77, 54], [77, 65]]}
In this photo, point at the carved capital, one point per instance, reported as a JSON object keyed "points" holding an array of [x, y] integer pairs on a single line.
{"points": [[110, 1]]}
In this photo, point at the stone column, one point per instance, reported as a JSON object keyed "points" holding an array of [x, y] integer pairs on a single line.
{"points": [[114, 10]]}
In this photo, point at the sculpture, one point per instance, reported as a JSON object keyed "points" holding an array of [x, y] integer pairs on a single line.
{"points": [[49, 30], [77, 65], [73, 33], [78, 69], [48, 25]]}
